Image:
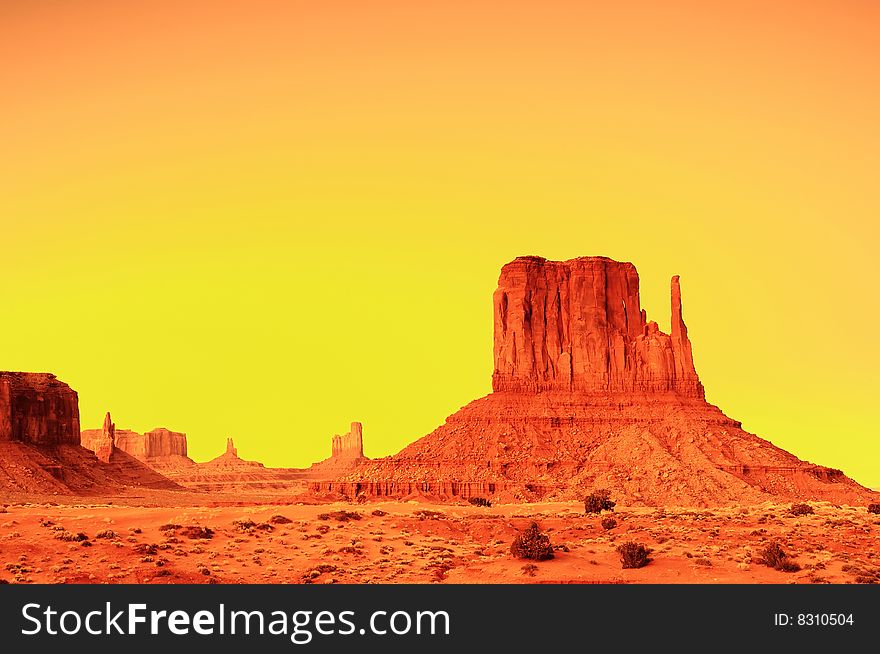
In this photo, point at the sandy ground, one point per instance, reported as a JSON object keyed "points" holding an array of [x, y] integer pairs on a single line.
{"points": [[409, 542]]}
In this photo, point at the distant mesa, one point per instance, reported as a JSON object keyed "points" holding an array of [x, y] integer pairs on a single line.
{"points": [[159, 448], [588, 393], [230, 458]]}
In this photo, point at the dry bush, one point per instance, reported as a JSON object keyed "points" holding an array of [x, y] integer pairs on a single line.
{"points": [[774, 557], [529, 569], [341, 516], [532, 544], [479, 501], [598, 501], [633, 555], [801, 509], [874, 507], [195, 531], [280, 520], [609, 523]]}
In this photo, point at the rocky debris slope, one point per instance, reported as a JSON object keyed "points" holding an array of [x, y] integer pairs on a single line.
{"points": [[40, 450], [590, 394]]}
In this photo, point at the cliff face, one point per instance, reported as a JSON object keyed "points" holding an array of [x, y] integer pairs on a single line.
{"points": [[578, 326], [590, 394], [350, 445], [38, 409]]}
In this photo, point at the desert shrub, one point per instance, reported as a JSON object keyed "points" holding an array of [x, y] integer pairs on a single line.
{"points": [[171, 526], [379, 513], [106, 533], [874, 508], [74, 538], [633, 555], [361, 498], [145, 548], [532, 544], [280, 520], [195, 531], [425, 514], [529, 569], [774, 557], [479, 501], [801, 509], [341, 516], [598, 501], [609, 523], [787, 565]]}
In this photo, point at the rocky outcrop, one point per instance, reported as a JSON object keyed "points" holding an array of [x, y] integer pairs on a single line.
{"points": [[230, 448], [38, 409], [588, 393], [107, 443], [578, 326]]}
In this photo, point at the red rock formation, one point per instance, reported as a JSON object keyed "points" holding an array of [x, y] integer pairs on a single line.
{"points": [[578, 326], [159, 448], [38, 409], [589, 394], [40, 449], [346, 453], [351, 445]]}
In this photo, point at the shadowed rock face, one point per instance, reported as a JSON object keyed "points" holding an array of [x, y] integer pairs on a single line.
{"points": [[590, 394], [38, 409], [578, 326]]}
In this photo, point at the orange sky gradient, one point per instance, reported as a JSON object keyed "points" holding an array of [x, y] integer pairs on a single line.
{"points": [[265, 219]]}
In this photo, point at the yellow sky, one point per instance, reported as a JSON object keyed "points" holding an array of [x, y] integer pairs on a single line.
{"points": [[266, 219]]}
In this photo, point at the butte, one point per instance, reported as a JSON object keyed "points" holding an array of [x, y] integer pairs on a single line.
{"points": [[588, 394]]}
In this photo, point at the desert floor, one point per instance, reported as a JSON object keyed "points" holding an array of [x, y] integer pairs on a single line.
{"points": [[410, 542]]}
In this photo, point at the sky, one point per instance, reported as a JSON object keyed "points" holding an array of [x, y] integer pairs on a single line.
{"points": [[265, 220]]}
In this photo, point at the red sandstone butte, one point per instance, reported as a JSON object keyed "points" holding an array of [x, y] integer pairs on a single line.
{"points": [[37, 409], [346, 453], [578, 326], [587, 394]]}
